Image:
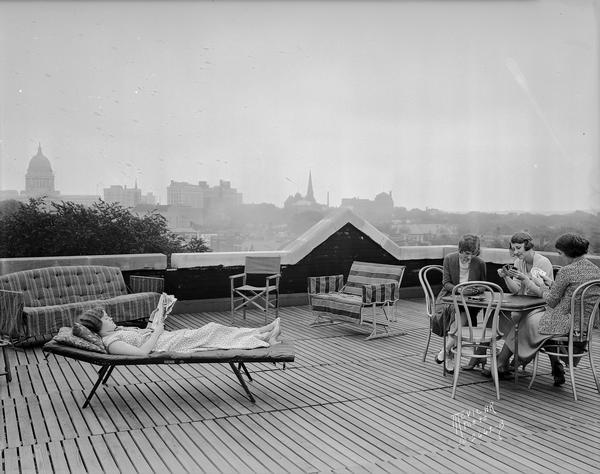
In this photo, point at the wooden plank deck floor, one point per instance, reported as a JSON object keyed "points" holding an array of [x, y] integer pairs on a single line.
{"points": [[345, 405]]}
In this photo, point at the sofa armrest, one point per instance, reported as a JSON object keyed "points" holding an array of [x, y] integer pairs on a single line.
{"points": [[380, 293], [142, 284], [325, 284], [11, 312]]}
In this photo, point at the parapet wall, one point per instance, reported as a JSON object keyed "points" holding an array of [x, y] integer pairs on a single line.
{"points": [[201, 281]]}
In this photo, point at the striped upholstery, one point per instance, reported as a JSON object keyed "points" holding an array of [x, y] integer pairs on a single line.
{"points": [[46, 320], [362, 273], [368, 284], [43, 300], [380, 293], [143, 284], [325, 284], [60, 285]]}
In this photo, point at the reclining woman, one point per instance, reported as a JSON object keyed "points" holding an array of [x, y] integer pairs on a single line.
{"points": [[464, 265], [540, 326], [135, 341]]}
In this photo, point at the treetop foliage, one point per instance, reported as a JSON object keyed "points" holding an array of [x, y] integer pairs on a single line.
{"points": [[41, 229]]}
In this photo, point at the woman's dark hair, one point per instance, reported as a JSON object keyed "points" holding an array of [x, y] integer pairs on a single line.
{"points": [[92, 319], [469, 243], [572, 245], [523, 238]]}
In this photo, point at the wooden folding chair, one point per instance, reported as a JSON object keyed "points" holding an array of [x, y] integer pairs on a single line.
{"points": [[265, 296]]}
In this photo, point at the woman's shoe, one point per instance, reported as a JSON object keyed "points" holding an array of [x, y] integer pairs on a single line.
{"points": [[503, 372], [449, 364], [440, 357], [474, 362], [558, 372]]}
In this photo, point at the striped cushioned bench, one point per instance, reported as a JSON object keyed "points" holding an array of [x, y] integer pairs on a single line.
{"points": [[36, 303], [369, 285]]}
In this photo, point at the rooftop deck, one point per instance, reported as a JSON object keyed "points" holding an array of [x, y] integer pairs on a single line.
{"points": [[344, 405]]}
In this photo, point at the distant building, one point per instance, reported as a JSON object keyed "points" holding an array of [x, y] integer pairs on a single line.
{"points": [[377, 211], [216, 202], [404, 233], [39, 182], [39, 179], [9, 194], [128, 197], [185, 194], [298, 203]]}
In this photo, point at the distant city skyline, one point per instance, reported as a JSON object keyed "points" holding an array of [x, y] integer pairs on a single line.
{"points": [[484, 106]]}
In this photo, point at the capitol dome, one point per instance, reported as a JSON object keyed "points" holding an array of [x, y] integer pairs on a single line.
{"points": [[39, 179], [39, 165]]}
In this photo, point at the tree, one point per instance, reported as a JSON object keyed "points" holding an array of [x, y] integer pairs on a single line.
{"points": [[198, 245], [38, 228]]}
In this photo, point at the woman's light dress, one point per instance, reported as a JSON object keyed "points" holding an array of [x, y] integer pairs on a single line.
{"points": [[208, 337]]}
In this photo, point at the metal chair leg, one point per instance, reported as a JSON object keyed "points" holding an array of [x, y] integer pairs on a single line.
{"points": [[427, 345], [7, 372]]}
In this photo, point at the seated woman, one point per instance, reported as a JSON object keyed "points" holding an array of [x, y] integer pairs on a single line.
{"points": [[461, 266], [540, 326], [528, 262], [135, 341]]}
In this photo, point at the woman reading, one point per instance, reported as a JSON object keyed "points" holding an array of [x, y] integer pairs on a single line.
{"points": [[135, 341]]}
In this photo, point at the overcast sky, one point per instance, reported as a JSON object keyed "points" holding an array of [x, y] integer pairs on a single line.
{"points": [[456, 105]]}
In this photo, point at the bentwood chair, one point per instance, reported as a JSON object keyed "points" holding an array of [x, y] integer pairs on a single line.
{"points": [[483, 337], [259, 286], [426, 275], [585, 303]]}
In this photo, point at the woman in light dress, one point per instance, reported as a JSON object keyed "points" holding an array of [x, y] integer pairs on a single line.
{"points": [[135, 341]]}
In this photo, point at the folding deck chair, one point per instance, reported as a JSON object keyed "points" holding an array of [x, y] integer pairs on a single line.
{"points": [[257, 270]]}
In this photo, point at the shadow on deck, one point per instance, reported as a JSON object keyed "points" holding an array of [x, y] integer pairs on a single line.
{"points": [[344, 405]]}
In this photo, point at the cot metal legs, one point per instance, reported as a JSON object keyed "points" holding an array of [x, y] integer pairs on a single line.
{"points": [[103, 375], [236, 370], [106, 370]]}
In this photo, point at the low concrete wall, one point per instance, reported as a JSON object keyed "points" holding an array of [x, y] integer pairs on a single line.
{"points": [[201, 281], [143, 261]]}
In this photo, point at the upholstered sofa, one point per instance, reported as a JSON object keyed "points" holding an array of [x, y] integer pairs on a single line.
{"points": [[39, 302]]}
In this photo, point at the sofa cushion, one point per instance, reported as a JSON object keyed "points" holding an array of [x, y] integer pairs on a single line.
{"points": [[67, 284], [340, 304], [65, 336], [46, 320]]}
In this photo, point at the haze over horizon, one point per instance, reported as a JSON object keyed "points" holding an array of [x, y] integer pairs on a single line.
{"points": [[458, 106]]}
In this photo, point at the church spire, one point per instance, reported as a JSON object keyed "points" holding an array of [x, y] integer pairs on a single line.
{"points": [[309, 192]]}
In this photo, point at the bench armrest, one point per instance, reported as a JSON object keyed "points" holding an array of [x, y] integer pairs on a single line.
{"points": [[141, 284], [325, 284], [11, 312], [380, 293]]}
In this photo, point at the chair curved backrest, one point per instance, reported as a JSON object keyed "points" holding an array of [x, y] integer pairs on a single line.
{"points": [[584, 310], [585, 306], [425, 276], [487, 291]]}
